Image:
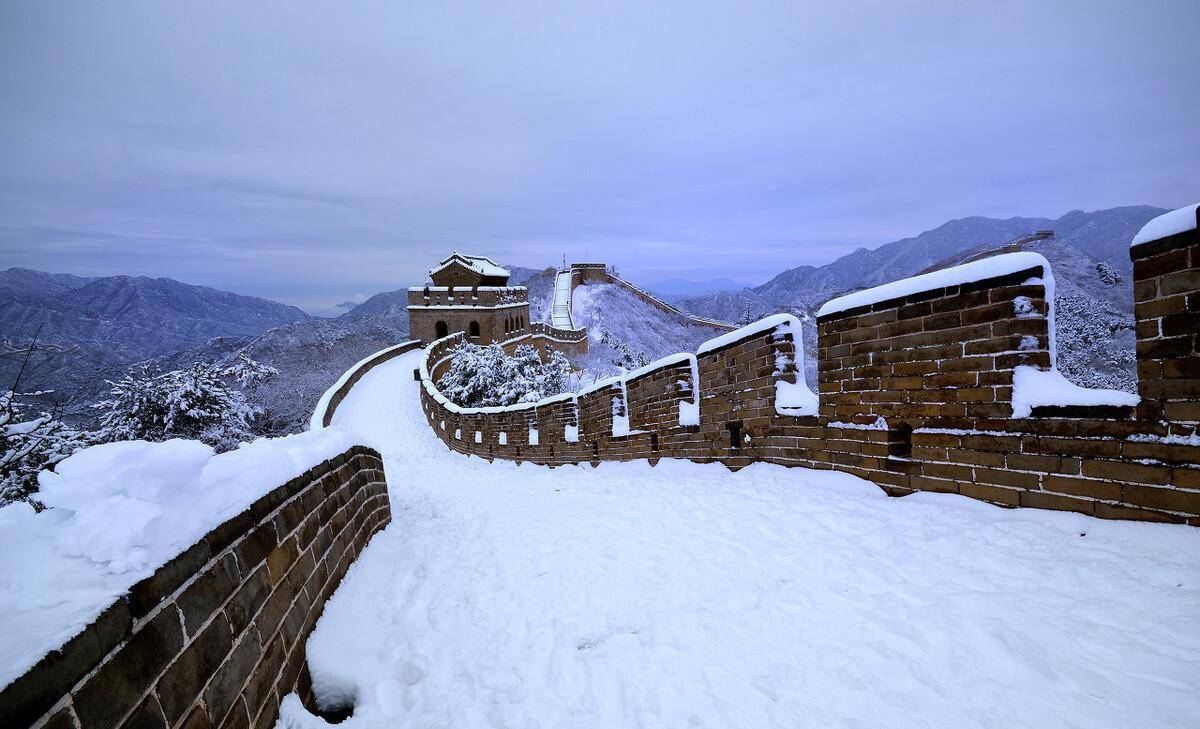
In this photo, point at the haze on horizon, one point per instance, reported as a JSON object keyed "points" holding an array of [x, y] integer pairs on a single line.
{"points": [[315, 153]]}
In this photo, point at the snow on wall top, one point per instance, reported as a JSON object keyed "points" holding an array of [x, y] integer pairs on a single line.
{"points": [[116, 513], [762, 325], [465, 289], [966, 273], [1176, 221], [482, 265], [1033, 387]]}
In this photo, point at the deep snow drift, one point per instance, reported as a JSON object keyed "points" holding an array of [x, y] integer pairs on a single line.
{"points": [[684, 595]]}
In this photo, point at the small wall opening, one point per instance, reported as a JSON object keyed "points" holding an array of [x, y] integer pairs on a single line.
{"points": [[900, 440], [473, 330], [441, 329], [735, 434], [654, 442], [333, 714]]}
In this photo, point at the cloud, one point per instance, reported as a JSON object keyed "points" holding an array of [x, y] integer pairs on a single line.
{"points": [[300, 153]]}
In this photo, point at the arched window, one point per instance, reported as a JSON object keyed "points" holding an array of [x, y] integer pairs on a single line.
{"points": [[473, 331], [507, 326], [440, 329]]}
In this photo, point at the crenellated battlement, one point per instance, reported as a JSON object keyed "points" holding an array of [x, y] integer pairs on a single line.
{"points": [[942, 382]]}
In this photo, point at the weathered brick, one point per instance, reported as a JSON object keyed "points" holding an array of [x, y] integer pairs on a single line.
{"points": [[117, 687], [280, 560], [1167, 499], [208, 592], [226, 686], [32, 694], [148, 593], [181, 683], [245, 603], [148, 715], [1134, 472]]}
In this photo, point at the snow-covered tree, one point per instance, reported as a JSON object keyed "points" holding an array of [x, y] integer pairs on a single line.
{"points": [[30, 444], [624, 356], [556, 373], [487, 377], [749, 313], [196, 403], [1107, 274], [248, 373]]}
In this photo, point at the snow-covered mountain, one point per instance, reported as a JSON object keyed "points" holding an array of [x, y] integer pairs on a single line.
{"points": [[105, 324], [1089, 254], [1102, 235]]}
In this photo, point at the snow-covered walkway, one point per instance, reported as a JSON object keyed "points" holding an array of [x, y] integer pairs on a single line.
{"points": [[560, 308], [684, 595]]}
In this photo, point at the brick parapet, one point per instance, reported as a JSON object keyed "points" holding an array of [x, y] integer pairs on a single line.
{"points": [[1166, 309], [215, 637], [943, 357]]}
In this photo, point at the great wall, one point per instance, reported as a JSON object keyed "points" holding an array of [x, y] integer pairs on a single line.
{"points": [[916, 393], [920, 389]]}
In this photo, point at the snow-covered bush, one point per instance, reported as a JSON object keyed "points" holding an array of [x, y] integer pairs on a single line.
{"points": [[1107, 274], [750, 313], [1095, 343], [249, 373], [28, 445], [487, 377], [623, 355], [197, 403]]}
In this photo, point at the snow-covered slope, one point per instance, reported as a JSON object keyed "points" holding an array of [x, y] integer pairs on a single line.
{"points": [[686, 595], [608, 309]]}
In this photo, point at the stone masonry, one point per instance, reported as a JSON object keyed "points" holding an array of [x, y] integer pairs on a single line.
{"points": [[215, 637]]}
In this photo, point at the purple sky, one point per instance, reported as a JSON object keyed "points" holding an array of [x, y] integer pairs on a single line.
{"points": [[315, 153]]}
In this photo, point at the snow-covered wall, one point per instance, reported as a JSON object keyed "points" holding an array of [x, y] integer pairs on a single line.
{"points": [[945, 388], [216, 636], [1166, 294]]}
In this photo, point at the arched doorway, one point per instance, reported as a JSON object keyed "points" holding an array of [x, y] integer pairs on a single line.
{"points": [[473, 331], [440, 329]]}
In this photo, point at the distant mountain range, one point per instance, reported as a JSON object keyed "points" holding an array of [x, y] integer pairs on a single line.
{"points": [[106, 325], [676, 288], [1095, 350], [1102, 235]]}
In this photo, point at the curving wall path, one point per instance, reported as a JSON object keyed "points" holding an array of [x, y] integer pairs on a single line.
{"points": [[581, 273], [929, 384]]}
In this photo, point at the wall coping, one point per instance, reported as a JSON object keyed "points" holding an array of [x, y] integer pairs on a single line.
{"points": [[1167, 225], [985, 269]]}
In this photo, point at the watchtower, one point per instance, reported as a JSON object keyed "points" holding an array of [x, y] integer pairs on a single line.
{"points": [[468, 294]]}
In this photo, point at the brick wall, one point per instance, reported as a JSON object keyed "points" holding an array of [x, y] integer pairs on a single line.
{"points": [[216, 637], [937, 366], [942, 357], [1166, 295]]}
